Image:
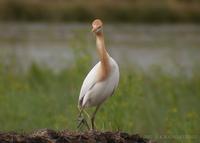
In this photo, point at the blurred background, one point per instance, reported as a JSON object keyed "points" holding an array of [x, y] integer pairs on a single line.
{"points": [[108, 10], [47, 48]]}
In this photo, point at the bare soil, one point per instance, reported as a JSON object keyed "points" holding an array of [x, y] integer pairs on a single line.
{"points": [[51, 136]]}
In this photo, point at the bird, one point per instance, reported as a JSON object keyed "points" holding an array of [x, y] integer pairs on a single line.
{"points": [[101, 82]]}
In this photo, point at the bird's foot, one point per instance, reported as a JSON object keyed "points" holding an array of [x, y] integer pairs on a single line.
{"points": [[93, 130], [81, 122]]}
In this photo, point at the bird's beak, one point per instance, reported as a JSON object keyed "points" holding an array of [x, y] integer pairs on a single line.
{"points": [[93, 29]]}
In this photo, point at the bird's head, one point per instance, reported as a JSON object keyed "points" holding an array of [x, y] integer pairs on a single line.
{"points": [[97, 26]]}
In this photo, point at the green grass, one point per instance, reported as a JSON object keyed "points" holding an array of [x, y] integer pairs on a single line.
{"points": [[157, 105]]}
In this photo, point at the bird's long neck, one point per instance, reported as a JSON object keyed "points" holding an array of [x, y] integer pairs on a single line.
{"points": [[104, 56]]}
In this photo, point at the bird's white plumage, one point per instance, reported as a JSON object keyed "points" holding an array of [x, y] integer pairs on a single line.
{"points": [[94, 92]]}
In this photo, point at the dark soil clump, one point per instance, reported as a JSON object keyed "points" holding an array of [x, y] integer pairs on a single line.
{"points": [[51, 136]]}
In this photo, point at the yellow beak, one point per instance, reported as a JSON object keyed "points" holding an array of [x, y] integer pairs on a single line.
{"points": [[93, 29]]}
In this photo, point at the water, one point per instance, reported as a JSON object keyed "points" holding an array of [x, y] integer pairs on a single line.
{"points": [[51, 45]]}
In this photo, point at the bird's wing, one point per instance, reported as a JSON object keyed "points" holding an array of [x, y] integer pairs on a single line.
{"points": [[89, 82]]}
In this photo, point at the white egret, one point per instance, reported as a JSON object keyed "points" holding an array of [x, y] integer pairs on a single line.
{"points": [[102, 80]]}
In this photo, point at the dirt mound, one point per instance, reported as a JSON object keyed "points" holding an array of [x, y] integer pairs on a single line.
{"points": [[50, 136]]}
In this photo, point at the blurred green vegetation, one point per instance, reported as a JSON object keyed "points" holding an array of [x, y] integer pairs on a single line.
{"points": [[152, 104], [108, 10]]}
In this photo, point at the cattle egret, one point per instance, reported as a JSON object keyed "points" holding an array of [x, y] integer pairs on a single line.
{"points": [[101, 81]]}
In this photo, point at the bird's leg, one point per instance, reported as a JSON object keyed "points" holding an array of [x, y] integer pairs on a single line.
{"points": [[93, 117], [81, 119], [87, 114]]}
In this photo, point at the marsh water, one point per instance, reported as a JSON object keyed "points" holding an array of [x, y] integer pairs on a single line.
{"points": [[143, 46]]}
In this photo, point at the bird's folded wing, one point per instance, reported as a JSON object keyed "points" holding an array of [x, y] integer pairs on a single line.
{"points": [[89, 82]]}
